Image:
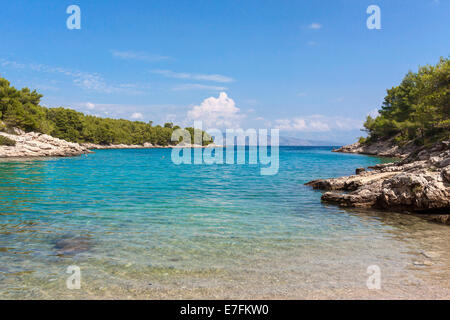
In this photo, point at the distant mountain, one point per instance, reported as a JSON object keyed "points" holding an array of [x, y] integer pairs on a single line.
{"points": [[297, 142], [291, 141]]}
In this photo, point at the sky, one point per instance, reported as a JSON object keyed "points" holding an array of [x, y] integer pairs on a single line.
{"points": [[312, 69]]}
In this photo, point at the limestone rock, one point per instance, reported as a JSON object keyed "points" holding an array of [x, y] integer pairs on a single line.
{"points": [[380, 148], [33, 144], [419, 183]]}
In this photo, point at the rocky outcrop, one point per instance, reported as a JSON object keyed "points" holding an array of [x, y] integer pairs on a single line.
{"points": [[380, 148], [33, 144], [419, 183]]}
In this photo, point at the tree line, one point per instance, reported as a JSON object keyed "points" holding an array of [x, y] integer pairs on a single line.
{"points": [[416, 110], [22, 109]]}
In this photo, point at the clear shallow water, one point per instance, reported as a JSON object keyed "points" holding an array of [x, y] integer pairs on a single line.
{"points": [[139, 226]]}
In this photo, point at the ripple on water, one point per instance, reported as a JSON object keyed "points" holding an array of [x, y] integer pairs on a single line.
{"points": [[139, 226]]}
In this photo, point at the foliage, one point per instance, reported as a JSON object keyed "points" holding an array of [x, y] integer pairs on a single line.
{"points": [[362, 140], [21, 109], [418, 109], [4, 141]]}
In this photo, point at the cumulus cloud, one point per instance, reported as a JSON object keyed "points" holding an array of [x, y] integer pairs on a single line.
{"points": [[137, 116], [218, 112], [202, 77], [90, 105], [296, 124]]}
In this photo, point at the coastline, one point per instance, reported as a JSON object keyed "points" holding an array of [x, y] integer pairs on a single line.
{"points": [[38, 145], [419, 183], [147, 145], [381, 149]]}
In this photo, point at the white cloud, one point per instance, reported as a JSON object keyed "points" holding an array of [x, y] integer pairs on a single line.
{"points": [[202, 77], [85, 80], [137, 116], [137, 55], [296, 124], [197, 86], [315, 26], [90, 105], [374, 113], [218, 112]]}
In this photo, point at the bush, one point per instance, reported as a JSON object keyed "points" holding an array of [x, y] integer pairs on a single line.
{"points": [[362, 140], [4, 141]]}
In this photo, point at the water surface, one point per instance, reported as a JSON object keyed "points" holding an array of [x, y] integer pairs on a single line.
{"points": [[139, 226]]}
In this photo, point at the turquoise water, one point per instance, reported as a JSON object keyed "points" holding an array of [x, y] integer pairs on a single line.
{"points": [[139, 226]]}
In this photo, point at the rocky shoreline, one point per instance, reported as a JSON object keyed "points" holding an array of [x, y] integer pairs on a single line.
{"points": [[419, 183], [33, 144], [381, 149], [37, 145]]}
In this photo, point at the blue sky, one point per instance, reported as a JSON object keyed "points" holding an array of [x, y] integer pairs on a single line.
{"points": [[311, 68]]}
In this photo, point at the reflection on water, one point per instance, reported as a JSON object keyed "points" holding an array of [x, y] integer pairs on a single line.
{"points": [[140, 227]]}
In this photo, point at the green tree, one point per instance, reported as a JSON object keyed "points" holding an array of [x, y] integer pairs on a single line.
{"points": [[418, 109]]}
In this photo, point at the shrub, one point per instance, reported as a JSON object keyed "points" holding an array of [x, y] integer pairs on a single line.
{"points": [[4, 141], [362, 140]]}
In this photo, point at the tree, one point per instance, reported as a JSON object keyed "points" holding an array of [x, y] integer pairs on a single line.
{"points": [[418, 109], [21, 109]]}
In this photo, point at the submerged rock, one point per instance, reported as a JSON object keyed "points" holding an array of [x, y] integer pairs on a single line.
{"points": [[71, 245]]}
